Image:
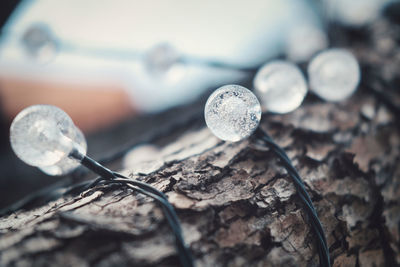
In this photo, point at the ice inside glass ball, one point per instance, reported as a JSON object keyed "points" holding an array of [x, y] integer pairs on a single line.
{"points": [[41, 135], [280, 86], [67, 165], [334, 74], [232, 113]]}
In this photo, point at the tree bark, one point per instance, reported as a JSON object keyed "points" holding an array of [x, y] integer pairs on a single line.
{"points": [[237, 205]]}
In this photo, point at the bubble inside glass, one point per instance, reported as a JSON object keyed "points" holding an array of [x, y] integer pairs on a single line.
{"points": [[232, 113], [67, 165], [280, 86], [40, 135], [334, 74]]}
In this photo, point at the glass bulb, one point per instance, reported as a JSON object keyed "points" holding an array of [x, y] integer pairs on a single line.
{"points": [[334, 74], [67, 165], [42, 135], [160, 59], [39, 42], [232, 113], [354, 13], [304, 41], [280, 86]]}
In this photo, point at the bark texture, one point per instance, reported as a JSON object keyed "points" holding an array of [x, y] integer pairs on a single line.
{"points": [[237, 205]]}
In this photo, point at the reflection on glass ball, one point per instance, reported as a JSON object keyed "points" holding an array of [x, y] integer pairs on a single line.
{"points": [[39, 42], [67, 165], [280, 86], [41, 135], [232, 113], [334, 74]]}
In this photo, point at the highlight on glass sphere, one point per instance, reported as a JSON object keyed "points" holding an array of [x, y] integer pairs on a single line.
{"points": [[67, 165], [334, 74], [232, 113], [42, 135], [280, 86]]}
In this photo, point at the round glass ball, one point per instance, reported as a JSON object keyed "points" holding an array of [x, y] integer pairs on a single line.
{"points": [[232, 113], [40, 135], [39, 42], [334, 74], [280, 86], [160, 59], [68, 164]]}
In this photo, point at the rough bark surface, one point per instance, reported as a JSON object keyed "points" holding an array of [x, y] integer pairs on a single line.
{"points": [[237, 205]]}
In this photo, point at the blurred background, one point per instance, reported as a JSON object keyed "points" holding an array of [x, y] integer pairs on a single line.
{"points": [[127, 71]]}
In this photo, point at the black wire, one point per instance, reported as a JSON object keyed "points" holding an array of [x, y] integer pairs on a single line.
{"points": [[322, 246], [307, 201], [108, 176], [184, 254]]}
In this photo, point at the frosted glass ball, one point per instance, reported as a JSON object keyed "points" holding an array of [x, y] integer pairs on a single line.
{"points": [[303, 41], [39, 42], [67, 165], [354, 13], [160, 59], [41, 135], [232, 113], [334, 74], [280, 86]]}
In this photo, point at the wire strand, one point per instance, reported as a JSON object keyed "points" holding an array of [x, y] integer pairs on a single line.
{"points": [[323, 250], [110, 177]]}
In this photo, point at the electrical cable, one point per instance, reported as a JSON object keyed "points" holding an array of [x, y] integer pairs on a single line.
{"points": [[110, 177], [322, 246]]}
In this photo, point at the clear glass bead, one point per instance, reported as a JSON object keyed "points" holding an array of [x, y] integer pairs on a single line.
{"points": [[232, 113], [334, 74], [41, 135], [280, 86], [67, 165]]}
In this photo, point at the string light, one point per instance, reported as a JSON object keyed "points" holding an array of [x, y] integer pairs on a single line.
{"points": [[161, 58], [334, 74], [280, 86], [230, 108], [232, 113], [45, 136], [303, 41], [39, 42]]}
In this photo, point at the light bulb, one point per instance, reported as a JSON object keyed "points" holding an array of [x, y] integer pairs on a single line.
{"points": [[39, 42], [67, 165], [160, 59], [280, 86], [334, 74], [354, 13], [232, 113], [303, 41], [42, 135]]}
